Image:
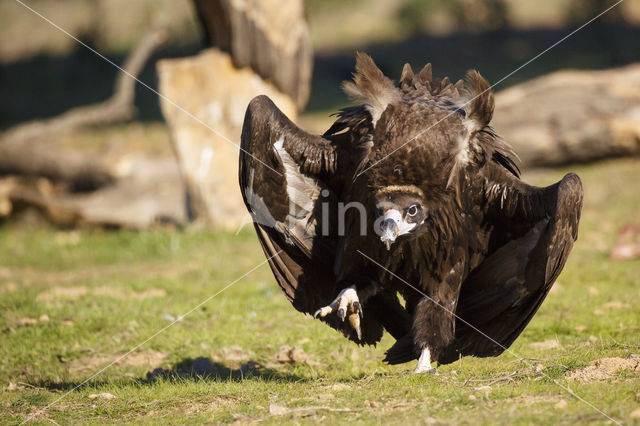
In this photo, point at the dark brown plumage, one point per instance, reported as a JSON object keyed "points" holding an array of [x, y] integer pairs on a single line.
{"points": [[445, 210]]}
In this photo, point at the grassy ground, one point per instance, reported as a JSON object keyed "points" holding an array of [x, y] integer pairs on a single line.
{"points": [[71, 302]]}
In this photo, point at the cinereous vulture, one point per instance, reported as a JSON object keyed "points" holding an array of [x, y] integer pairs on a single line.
{"points": [[409, 193]]}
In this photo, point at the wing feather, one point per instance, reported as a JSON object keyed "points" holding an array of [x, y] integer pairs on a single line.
{"points": [[501, 296], [285, 175]]}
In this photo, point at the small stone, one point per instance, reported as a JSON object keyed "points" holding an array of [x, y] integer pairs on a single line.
{"points": [[13, 387], [560, 405], [103, 395], [26, 321], [593, 339], [581, 328], [277, 410], [593, 291], [374, 404], [44, 318], [472, 397], [635, 414]]}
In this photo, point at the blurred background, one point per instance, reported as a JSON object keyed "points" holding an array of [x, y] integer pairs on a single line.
{"points": [[82, 146], [120, 211]]}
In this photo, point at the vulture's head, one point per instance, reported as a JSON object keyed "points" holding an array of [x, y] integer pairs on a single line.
{"points": [[400, 211], [422, 135]]}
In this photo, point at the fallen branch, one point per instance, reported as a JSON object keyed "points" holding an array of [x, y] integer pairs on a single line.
{"points": [[120, 107], [24, 149]]}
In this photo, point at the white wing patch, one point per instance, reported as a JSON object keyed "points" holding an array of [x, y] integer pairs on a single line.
{"points": [[303, 192]]}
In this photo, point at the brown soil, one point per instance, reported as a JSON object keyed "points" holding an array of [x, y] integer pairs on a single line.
{"points": [[149, 360], [604, 368]]}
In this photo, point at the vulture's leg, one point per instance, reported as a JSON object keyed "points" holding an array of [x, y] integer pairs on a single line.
{"points": [[424, 363], [434, 320], [348, 304]]}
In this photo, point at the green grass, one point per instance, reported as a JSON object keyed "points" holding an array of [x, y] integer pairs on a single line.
{"points": [[106, 291]]}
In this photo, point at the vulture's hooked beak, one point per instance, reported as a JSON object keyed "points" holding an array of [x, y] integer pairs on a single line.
{"points": [[389, 229], [392, 226]]}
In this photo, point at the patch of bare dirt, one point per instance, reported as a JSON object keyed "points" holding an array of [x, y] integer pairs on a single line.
{"points": [[546, 345], [615, 305], [27, 321], [76, 292], [292, 355], [604, 368], [9, 287], [187, 407], [150, 360], [232, 353], [25, 276]]}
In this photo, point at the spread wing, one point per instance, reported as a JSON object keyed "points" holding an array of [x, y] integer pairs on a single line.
{"points": [[291, 181], [534, 231]]}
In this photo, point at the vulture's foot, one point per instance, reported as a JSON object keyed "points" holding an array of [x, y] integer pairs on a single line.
{"points": [[347, 306], [424, 363]]}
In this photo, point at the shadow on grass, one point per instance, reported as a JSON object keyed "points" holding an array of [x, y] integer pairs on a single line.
{"points": [[206, 369], [189, 369]]}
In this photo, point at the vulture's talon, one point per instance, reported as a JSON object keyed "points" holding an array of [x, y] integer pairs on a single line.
{"points": [[346, 306], [354, 320]]}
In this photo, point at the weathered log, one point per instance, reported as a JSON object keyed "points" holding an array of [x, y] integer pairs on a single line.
{"points": [[269, 36], [140, 191], [572, 116], [147, 192]]}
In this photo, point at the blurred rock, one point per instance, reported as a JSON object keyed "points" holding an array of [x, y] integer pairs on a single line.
{"points": [[628, 244], [572, 116], [211, 96]]}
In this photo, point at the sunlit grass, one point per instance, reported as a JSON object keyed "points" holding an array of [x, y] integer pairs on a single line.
{"points": [[74, 301]]}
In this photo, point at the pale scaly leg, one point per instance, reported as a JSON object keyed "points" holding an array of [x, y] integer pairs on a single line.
{"points": [[347, 305], [424, 363]]}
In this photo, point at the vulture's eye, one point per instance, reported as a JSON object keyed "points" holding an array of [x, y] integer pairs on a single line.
{"points": [[413, 210]]}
